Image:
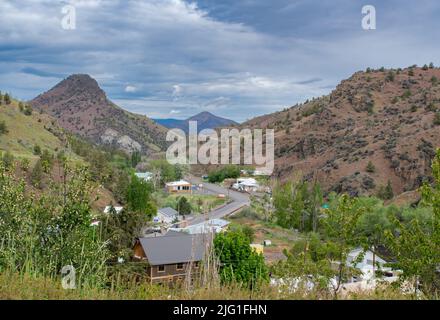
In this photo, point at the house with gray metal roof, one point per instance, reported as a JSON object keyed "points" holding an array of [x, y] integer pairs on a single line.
{"points": [[172, 257], [166, 216]]}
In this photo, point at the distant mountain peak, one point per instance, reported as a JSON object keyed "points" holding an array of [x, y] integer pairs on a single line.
{"points": [[205, 120]]}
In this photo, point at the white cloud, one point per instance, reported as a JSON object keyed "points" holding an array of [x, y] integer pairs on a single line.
{"points": [[130, 89]]}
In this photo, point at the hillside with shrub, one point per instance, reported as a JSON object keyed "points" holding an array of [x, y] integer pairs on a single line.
{"points": [[375, 134]]}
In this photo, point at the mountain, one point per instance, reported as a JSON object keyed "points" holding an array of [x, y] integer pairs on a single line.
{"points": [[23, 132], [82, 107], [389, 118], [205, 120]]}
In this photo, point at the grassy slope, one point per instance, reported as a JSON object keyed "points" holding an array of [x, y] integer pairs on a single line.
{"points": [[24, 132]]}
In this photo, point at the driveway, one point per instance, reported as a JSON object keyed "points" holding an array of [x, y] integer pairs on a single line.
{"points": [[239, 200]]}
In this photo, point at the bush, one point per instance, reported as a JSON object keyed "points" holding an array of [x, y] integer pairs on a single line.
{"points": [[28, 110], [370, 167], [8, 160], [37, 150], [437, 119], [238, 262], [226, 172], [386, 193], [3, 128]]}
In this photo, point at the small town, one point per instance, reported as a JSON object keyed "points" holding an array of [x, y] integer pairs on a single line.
{"points": [[219, 159]]}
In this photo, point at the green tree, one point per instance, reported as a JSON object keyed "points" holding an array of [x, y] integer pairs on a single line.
{"points": [[138, 197], [386, 193], [340, 228], [370, 167], [135, 158], [46, 161], [249, 232], [416, 247], [238, 262], [183, 206]]}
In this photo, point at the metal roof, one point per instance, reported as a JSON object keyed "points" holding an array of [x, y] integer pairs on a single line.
{"points": [[168, 211], [169, 249]]}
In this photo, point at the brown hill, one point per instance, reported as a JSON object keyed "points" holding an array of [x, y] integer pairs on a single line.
{"points": [[387, 117], [81, 106]]}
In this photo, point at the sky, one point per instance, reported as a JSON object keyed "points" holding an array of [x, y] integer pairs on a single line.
{"points": [[236, 59]]}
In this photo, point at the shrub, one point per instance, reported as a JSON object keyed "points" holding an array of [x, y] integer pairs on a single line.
{"points": [[37, 174], [437, 119], [3, 128], [37, 150], [370, 167]]}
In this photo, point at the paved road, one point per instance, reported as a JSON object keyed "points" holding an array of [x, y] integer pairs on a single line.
{"points": [[239, 200]]}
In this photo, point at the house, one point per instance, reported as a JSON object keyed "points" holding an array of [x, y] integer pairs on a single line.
{"points": [[146, 176], [180, 186], [246, 185], [210, 226], [166, 216], [117, 209], [172, 257], [365, 264]]}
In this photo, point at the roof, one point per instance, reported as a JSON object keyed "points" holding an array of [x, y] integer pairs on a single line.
{"points": [[168, 212], [173, 248], [177, 183], [213, 225], [247, 182], [143, 175], [117, 209]]}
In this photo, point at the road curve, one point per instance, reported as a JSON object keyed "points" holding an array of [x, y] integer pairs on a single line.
{"points": [[239, 200]]}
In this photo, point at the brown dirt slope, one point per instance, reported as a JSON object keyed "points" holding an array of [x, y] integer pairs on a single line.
{"points": [[388, 117], [81, 107]]}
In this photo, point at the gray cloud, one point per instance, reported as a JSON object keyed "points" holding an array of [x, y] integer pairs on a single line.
{"points": [[236, 58]]}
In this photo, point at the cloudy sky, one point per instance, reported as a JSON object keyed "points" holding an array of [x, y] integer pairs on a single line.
{"points": [[238, 59]]}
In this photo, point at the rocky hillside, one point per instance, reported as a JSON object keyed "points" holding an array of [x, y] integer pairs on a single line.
{"points": [[205, 120], [377, 126], [81, 106]]}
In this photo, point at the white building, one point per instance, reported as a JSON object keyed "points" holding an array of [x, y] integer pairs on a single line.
{"points": [[146, 176], [117, 209], [246, 184], [210, 226], [366, 265], [166, 216]]}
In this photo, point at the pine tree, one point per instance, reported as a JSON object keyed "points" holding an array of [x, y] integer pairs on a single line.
{"points": [[370, 167]]}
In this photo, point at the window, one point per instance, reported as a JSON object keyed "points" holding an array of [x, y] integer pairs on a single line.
{"points": [[196, 264], [179, 266], [161, 268]]}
